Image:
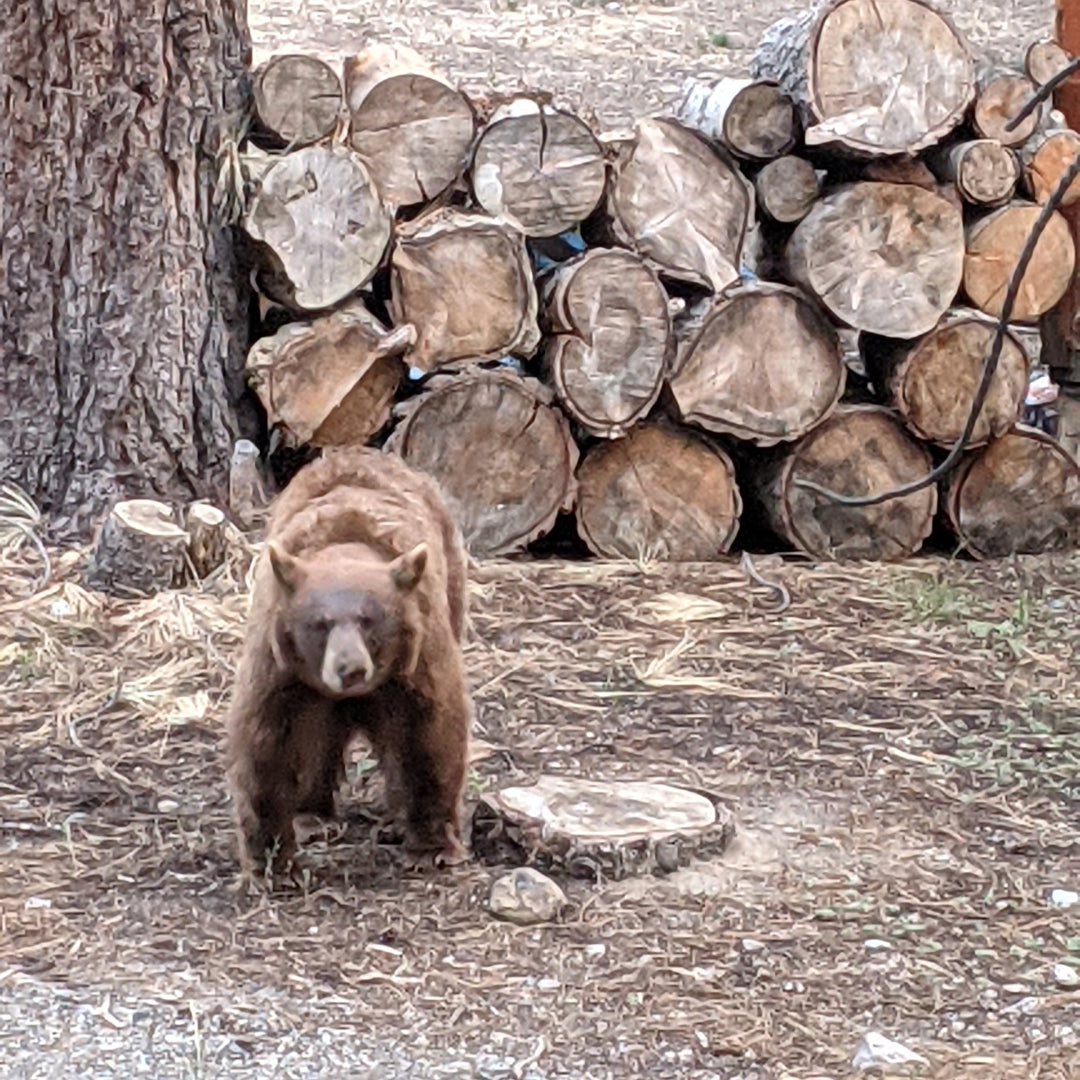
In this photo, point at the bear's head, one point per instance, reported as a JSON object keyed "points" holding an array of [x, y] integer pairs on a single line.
{"points": [[343, 626]]}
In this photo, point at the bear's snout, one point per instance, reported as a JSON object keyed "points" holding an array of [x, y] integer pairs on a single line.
{"points": [[347, 665]]}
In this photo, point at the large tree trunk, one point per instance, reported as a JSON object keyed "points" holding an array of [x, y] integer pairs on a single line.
{"points": [[122, 331]]}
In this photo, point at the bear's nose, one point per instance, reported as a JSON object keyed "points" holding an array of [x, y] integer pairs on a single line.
{"points": [[353, 672]]}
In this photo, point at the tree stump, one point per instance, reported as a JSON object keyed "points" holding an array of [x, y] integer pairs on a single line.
{"points": [[932, 382], [413, 129], [985, 172], [1043, 60], [330, 382], [297, 100], [1018, 496], [734, 378], [884, 258], [680, 203], [208, 537], [500, 451], [600, 829], [608, 314], [661, 493], [1047, 162], [318, 219], [755, 120], [871, 76], [139, 550], [539, 168], [859, 450], [787, 188], [1000, 98], [994, 244], [465, 282]]}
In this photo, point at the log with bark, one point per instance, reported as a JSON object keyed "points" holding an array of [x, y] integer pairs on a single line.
{"points": [[1047, 161], [499, 449], [413, 129], [754, 119], [985, 172], [330, 382], [871, 76], [539, 168], [610, 335], [859, 450], [297, 100], [465, 282], [885, 258], [318, 220], [208, 537], [787, 189], [761, 362], [994, 244], [931, 382], [1000, 98], [1020, 495], [139, 550], [660, 493], [680, 203]]}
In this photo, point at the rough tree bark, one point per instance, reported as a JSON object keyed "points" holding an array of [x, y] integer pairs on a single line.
{"points": [[122, 331]]}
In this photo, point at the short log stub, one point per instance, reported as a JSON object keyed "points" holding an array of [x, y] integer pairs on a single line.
{"points": [[501, 452], [140, 550], [413, 129], [208, 537], [1018, 496], [787, 189], [608, 313], [994, 244], [330, 382], [679, 203], [661, 493], [1048, 162], [318, 218], [985, 172], [999, 100], [884, 258], [465, 282], [297, 100], [600, 829], [859, 450], [733, 378], [754, 119], [540, 168]]}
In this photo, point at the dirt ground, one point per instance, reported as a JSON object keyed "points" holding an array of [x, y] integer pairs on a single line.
{"points": [[901, 749]]}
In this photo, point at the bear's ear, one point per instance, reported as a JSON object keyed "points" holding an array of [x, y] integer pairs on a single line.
{"points": [[287, 568], [406, 570]]}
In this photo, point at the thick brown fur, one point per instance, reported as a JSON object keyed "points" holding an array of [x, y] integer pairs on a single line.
{"points": [[347, 517]]}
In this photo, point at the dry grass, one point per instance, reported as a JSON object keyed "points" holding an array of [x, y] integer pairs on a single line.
{"points": [[900, 746]]}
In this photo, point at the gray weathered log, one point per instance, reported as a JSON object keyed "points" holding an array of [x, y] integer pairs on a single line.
{"points": [[465, 282], [760, 362], [139, 550], [297, 100], [610, 339], [538, 167], [787, 188], [680, 203], [985, 172], [320, 224], [872, 76], [754, 119], [659, 493], [411, 126], [885, 258]]}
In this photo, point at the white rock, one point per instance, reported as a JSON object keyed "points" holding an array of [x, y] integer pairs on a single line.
{"points": [[525, 897], [596, 949], [877, 945], [1064, 898], [750, 944], [875, 1050], [1067, 977]]}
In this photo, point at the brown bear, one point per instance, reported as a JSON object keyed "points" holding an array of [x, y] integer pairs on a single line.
{"points": [[356, 622]]}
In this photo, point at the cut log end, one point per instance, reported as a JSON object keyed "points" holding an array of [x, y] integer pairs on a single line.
{"points": [[755, 120], [597, 829], [1043, 60], [787, 188], [502, 454], [297, 100], [140, 550], [208, 537], [660, 493], [985, 172], [1000, 100], [1048, 163], [1020, 495]]}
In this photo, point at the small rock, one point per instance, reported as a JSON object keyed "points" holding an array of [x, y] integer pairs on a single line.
{"points": [[1068, 978], [167, 806], [1064, 898], [525, 897], [596, 949], [877, 945], [548, 984], [876, 1050], [750, 944]]}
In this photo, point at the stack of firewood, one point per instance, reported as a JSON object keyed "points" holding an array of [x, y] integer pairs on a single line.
{"points": [[793, 277]]}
